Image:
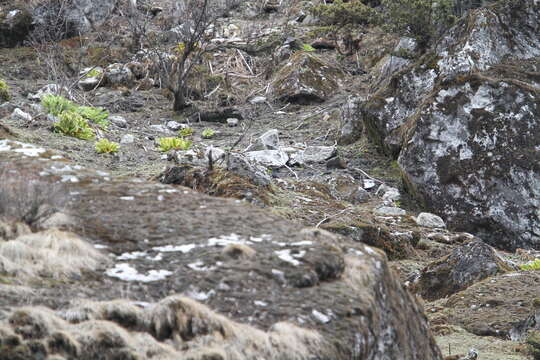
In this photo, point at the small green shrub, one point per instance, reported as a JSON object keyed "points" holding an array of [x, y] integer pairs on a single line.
{"points": [[92, 73], [72, 124], [95, 115], [56, 105], [533, 265], [4, 91], [170, 143], [185, 132], [208, 133], [104, 146], [307, 48]]}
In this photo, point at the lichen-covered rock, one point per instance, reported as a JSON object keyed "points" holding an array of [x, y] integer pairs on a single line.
{"points": [[467, 264], [465, 123], [305, 79], [252, 285], [15, 25]]}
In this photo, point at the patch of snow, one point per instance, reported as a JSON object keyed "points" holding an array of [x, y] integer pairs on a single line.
{"points": [[370, 250], [70, 178], [168, 191], [99, 246], [200, 295], [225, 240], [124, 271], [260, 303], [302, 243], [199, 266], [25, 149], [56, 157], [369, 184], [132, 255], [171, 248], [286, 256], [127, 198]]}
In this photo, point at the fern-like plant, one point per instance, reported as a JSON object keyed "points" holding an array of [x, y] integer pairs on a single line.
{"points": [[208, 133], [55, 104], [95, 115], [307, 48], [104, 146], [4, 91], [72, 124], [533, 265], [171, 143]]}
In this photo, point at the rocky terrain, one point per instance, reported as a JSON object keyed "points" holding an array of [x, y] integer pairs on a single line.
{"points": [[269, 180]]}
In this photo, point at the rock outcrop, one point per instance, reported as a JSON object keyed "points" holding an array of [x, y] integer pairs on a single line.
{"points": [[465, 123], [467, 264], [250, 284], [305, 79], [15, 25]]}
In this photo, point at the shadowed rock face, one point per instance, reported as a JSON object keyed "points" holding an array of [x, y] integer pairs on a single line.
{"points": [[258, 276], [465, 123]]}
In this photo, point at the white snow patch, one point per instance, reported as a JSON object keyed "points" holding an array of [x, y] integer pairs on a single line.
{"points": [[260, 303], [125, 272], [302, 243], [179, 248], [70, 178], [99, 246], [370, 250], [169, 191], [199, 266], [287, 256], [369, 184], [200, 295], [225, 240], [25, 149], [132, 255], [127, 198], [56, 157]]}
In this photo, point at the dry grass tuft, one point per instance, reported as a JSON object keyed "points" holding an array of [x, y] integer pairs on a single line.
{"points": [[51, 253]]}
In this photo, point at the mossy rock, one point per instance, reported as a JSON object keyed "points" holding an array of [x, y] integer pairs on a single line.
{"points": [[306, 79], [15, 25]]}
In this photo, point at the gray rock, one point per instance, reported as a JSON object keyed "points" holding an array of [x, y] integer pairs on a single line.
{"points": [[430, 220], [388, 194], [305, 79], [117, 75], [160, 128], [389, 211], [240, 165], [18, 114], [89, 84], [270, 140], [257, 100], [232, 122], [466, 158], [174, 126], [119, 121], [466, 265], [359, 196], [217, 153], [313, 154], [268, 158], [406, 44], [127, 139], [351, 126], [50, 89]]}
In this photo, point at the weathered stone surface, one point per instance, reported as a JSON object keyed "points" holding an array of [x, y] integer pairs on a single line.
{"points": [[15, 25], [308, 293], [464, 121], [305, 79], [269, 158], [118, 75], [430, 220], [467, 264], [239, 164]]}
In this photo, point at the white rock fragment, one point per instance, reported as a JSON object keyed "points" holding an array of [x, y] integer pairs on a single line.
{"points": [[260, 303], [174, 125], [232, 122], [127, 198], [430, 220], [287, 256], [118, 121], [369, 184], [257, 100], [132, 255], [127, 139], [18, 114], [389, 211], [320, 316], [225, 240]]}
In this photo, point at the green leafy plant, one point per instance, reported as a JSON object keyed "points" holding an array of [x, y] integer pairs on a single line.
{"points": [[341, 13], [171, 143], [98, 116], [307, 48], [208, 133], [55, 104], [185, 132], [72, 124], [4, 91], [104, 146], [92, 73], [533, 265]]}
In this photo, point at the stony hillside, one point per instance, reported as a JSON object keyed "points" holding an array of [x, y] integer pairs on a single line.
{"points": [[221, 179]]}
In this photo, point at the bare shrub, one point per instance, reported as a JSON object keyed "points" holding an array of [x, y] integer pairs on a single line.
{"points": [[28, 200]]}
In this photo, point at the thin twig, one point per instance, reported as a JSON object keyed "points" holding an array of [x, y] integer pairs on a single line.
{"points": [[332, 216]]}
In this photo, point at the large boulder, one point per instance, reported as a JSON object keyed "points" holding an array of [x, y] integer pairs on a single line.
{"points": [[467, 264], [79, 16], [15, 25], [464, 120], [208, 278], [305, 79]]}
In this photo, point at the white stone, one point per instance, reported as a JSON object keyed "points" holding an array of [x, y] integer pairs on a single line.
{"points": [[269, 158], [257, 100], [118, 121], [217, 153], [390, 211], [127, 139], [270, 139], [174, 125], [18, 114], [232, 122], [430, 220]]}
